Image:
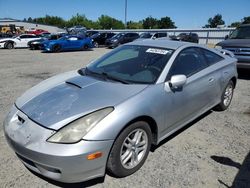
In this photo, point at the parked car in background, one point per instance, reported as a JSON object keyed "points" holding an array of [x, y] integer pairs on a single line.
{"points": [[148, 35], [67, 43], [100, 38], [105, 117], [187, 37], [238, 42], [89, 33], [5, 35], [121, 38], [38, 44], [37, 31], [78, 29], [20, 41]]}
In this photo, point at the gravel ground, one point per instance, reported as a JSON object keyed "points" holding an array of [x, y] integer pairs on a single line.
{"points": [[211, 152]]}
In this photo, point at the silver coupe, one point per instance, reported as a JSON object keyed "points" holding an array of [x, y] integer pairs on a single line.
{"points": [[105, 117]]}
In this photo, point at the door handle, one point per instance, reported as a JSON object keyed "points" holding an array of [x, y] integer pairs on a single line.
{"points": [[211, 80]]}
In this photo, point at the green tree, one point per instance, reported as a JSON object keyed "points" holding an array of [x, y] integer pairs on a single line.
{"points": [[30, 19], [215, 21], [107, 22], [246, 20], [150, 23], [235, 24], [81, 20], [134, 25], [166, 23]]}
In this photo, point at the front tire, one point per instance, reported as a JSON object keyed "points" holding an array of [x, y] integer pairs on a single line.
{"points": [[130, 150], [226, 97], [56, 48], [96, 45]]}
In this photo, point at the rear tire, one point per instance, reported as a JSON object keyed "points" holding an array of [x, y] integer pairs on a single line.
{"points": [[56, 48], [9, 45], [130, 150], [226, 97]]}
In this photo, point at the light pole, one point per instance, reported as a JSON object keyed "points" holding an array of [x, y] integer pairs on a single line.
{"points": [[125, 14]]}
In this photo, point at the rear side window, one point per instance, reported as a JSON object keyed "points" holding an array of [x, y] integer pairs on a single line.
{"points": [[211, 57], [162, 35]]}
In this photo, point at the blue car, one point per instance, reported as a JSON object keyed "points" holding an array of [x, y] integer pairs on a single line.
{"points": [[67, 43]]}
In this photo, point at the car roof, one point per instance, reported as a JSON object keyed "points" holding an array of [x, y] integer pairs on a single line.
{"points": [[161, 43], [245, 25]]}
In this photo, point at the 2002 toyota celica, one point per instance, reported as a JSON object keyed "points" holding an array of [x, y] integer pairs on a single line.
{"points": [[105, 117]]}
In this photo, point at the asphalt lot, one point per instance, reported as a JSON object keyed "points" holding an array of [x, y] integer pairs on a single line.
{"points": [[211, 152]]}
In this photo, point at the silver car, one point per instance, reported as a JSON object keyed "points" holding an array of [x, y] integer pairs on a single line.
{"points": [[105, 117]]}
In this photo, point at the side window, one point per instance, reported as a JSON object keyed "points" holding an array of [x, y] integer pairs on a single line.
{"points": [[162, 35], [188, 62], [211, 57], [23, 37]]}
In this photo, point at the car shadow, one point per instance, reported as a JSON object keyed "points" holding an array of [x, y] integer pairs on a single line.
{"points": [[88, 183], [154, 147], [242, 179], [67, 51], [244, 74]]}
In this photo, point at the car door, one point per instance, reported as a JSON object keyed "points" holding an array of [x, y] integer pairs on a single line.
{"points": [[22, 41], [186, 103], [72, 43]]}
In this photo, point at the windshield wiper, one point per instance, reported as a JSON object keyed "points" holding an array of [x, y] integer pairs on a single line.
{"points": [[110, 77], [105, 76]]}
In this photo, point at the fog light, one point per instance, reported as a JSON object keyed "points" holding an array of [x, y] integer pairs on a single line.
{"points": [[94, 155]]}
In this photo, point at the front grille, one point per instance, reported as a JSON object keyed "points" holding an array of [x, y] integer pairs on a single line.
{"points": [[239, 51]]}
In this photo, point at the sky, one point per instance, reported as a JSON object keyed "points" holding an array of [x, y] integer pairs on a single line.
{"points": [[185, 14]]}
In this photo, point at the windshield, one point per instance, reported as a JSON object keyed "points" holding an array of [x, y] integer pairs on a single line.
{"points": [[95, 35], [240, 33], [117, 36], [131, 64], [146, 35]]}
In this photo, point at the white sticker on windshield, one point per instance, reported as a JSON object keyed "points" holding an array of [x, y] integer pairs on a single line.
{"points": [[157, 51]]}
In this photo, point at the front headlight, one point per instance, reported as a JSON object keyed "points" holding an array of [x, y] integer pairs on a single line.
{"points": [[76, 130], [218, 47]]}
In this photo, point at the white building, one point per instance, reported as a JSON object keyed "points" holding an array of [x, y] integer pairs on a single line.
{"points": [[28, 25]]}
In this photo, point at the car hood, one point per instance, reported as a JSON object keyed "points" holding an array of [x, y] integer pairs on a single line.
{"points": [[6, 39], [74, 98], [235, 43]]}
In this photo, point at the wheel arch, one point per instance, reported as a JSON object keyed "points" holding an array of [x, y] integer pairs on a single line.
{"points": [[150, 121], [234, 80]]}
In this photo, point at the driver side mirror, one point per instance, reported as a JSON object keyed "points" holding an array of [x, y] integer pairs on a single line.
{"points": [[18, 38], [226, 37], [177, 81]]}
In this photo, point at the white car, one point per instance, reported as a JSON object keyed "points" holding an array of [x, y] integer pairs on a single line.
{"points": [[20, 41]]}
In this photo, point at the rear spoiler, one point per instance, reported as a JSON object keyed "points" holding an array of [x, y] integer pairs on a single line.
{"points": [[225, 52]]}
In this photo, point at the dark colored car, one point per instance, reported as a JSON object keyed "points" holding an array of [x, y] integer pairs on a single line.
{"points": [[100, 38], [187, 37], [91, 32], [5, 35], [121, 38], [37, 44], [238, 42]]}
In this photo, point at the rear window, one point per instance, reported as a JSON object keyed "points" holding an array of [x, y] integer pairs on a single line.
{"points": [[211, 57]]}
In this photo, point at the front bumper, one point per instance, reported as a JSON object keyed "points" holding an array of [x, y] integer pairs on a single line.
{"points": [[61, 162], [243, 62], [2, 45]]}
